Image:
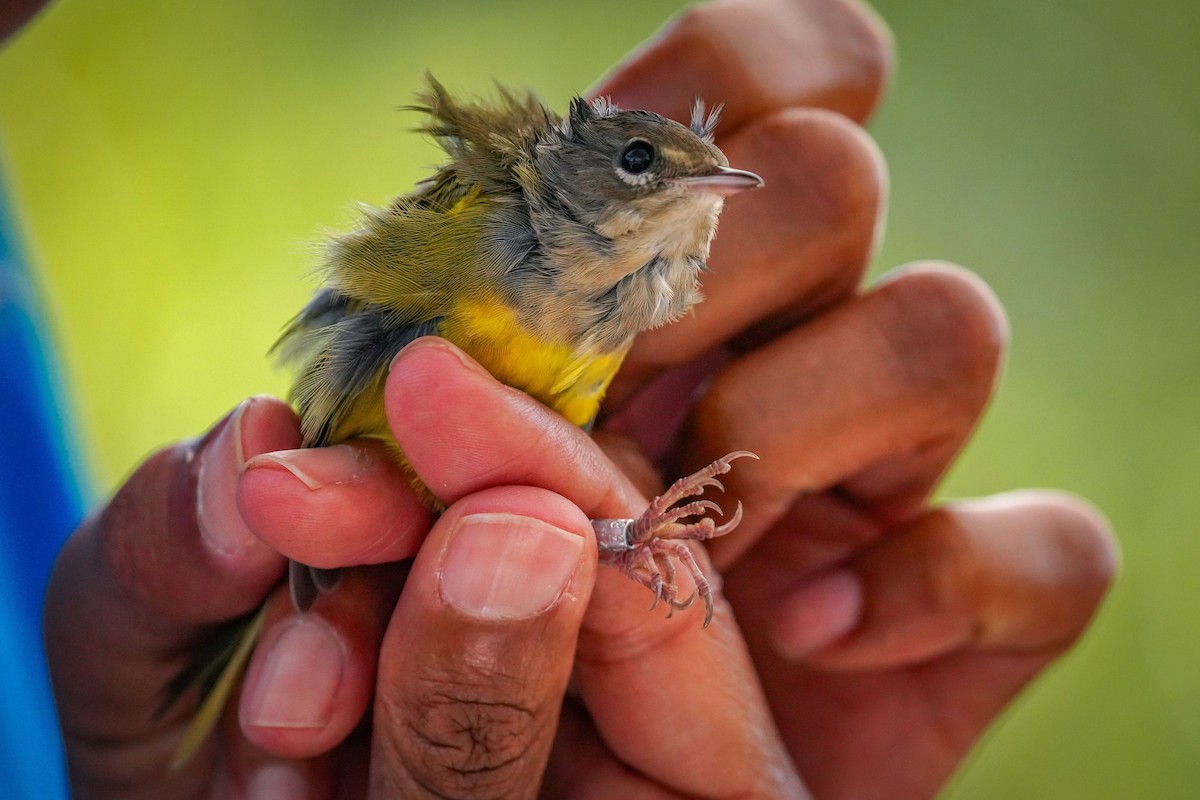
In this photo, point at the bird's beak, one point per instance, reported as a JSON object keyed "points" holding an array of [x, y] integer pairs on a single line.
{"points": [[722, 181]]}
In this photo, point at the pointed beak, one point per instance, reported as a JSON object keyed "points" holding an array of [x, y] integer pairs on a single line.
{"points": [[723, 181]]}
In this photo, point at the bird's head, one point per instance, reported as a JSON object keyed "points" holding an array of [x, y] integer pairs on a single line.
{"points": [[639, 178]]}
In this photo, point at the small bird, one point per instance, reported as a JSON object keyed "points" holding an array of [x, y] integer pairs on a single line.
{"points": [[542, 247]]}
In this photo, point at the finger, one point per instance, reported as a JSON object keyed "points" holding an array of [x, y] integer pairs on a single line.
{"points": [[1020, 572], [783, 252], [582, 768], [874, 397], [134, 586], [757, 57], [438, 401], [255, 774], [15, 14], [949, 620], [295, 780], [680, 704], [333, 506], [436, 398], [477, 656], [179, 511], [312, 675]]}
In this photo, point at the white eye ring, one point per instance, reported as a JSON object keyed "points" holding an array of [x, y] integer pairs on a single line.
{"points": [[641, 179]]}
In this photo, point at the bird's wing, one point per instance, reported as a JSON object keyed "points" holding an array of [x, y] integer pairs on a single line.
{"points": [[406, 268], [339, 391]]}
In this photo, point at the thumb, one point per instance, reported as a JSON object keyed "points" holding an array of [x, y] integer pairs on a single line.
{"points": [[476, 659], [139, 581]]}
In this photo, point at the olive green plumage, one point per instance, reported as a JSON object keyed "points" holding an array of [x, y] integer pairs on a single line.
{"points": [[532, 248], [542, 247]]}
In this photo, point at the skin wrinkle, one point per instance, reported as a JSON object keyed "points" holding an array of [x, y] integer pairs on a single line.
{"points": [[134, 561], [600, 647], [827, 546], [872, 526], [963, 335], [470, 738], [470, 715], [615, 498], [958, 581], [882, 513], [383, 543]]}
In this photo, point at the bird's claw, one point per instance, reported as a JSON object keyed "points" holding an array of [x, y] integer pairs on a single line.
{"points": [[658, 538]]}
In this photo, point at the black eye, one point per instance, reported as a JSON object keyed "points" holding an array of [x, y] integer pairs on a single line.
{"points": [[637, 157]]}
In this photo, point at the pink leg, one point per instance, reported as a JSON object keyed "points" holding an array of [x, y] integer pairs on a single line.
{"points": [[644, 548]]}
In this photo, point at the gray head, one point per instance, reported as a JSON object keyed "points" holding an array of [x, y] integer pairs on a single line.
{"points": [[622, 205], [625, 171], [625, 205]]}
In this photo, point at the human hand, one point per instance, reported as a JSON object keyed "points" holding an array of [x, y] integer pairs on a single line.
{"points": [[887, 632], [803, 341], [150, 578], [467, 700], [477, 652]]}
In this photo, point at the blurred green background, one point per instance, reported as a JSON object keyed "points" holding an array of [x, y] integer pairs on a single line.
{"points": [[172, 163]]}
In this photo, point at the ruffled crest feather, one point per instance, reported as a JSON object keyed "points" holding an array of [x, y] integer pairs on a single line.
{"points": [[705, 125]]}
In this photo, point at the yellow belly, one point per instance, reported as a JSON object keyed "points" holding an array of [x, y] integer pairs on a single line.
{"points": [[571, 382]]}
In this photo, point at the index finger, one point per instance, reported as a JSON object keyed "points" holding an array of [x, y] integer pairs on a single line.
{"points": [[657, 688], [757, 56]]}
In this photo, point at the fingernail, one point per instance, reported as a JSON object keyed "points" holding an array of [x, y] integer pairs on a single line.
{"points": [[503, 566], [317, 467], [818, 614], [277, 780], [298, 681], [221, 462]]}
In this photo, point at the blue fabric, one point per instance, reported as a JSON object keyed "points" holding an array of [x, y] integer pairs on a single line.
{"points": [[40, 503]]}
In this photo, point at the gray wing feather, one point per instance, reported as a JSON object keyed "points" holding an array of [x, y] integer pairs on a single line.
{"points": [[343, 347]]}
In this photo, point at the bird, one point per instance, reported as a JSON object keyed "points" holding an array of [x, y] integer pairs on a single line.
{"points": [[542, 247]]}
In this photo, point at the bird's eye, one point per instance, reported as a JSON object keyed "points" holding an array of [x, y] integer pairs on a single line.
{"points": [[637, 157]]}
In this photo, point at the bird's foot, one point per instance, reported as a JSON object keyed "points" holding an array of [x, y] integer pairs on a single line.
{"points": [[647, 548]]}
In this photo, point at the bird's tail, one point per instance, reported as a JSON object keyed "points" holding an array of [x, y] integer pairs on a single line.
{"points": [[213, 672]]}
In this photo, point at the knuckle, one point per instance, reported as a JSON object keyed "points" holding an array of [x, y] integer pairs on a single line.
{"points": [[697, 25], [951, 578], [151, 500], [472, 735], [1030, 566], [833, 173], [1086, 539], [949, 332], [837, 54], [872, 46]]}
